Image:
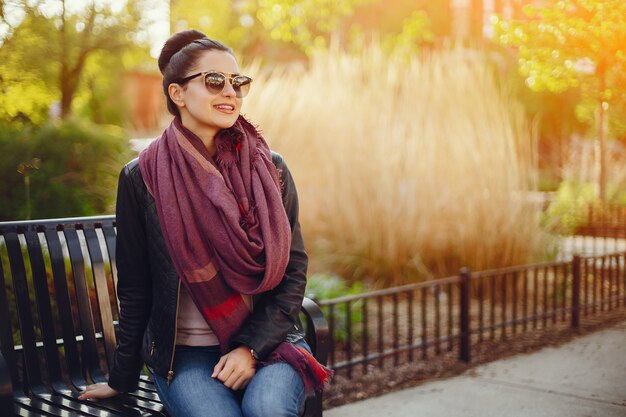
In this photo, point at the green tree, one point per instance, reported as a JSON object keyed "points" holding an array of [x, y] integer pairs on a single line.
{"points": [[245, 24], [46, 48], [575, 44]]}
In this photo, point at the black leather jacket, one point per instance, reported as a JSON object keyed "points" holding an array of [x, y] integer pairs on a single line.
{"points": [[148, 287]]}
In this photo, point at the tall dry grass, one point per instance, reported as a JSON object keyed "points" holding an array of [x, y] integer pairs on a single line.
{"points": [[405, 168]]}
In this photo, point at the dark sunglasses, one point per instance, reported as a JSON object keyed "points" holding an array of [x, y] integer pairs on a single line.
{"points": [[215, 81]]}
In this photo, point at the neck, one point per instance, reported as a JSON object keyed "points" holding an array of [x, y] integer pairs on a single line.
{"points": [[205, 133]]}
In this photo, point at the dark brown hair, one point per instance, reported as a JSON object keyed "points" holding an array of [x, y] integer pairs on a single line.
{"points": [[180, 52]]}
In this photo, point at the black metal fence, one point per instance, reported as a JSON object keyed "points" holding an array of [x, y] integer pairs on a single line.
{"points": [[417, 321]]}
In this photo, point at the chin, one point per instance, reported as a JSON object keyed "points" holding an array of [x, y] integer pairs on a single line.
{"points": [[229, 123]]}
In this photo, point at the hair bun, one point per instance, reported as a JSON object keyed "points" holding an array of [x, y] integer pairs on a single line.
{"points": [[175, 43]]}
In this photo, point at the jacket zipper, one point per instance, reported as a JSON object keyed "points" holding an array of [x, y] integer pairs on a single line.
{"points": [[152, 348], [170, 373]]}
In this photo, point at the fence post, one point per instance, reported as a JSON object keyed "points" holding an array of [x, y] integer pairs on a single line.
{"points": [[576, 292], [464, 336]]}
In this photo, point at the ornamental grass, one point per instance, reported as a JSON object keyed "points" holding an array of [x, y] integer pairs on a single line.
{"points": [[407, 168]]}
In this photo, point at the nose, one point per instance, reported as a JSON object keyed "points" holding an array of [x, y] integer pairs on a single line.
{"points": [[228, 90]]}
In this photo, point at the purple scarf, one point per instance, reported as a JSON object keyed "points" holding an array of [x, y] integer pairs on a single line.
{"points": [[224, 225]]}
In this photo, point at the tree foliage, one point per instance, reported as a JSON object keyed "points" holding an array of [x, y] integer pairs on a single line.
{"points": [[47, 46], [250, 24], [573, 44], [576, 44], [287, 29], [72, 169]]}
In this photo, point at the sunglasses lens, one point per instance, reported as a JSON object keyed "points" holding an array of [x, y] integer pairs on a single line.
{"points": [[214, 82], [241, 85]]}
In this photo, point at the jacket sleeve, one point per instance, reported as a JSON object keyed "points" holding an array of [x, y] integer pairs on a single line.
{"points": [[133, 287], [276, 312]]}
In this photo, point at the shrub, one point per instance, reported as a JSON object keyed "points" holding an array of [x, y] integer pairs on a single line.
{"points": [[329, 286], [568, 209], [77, 174]]}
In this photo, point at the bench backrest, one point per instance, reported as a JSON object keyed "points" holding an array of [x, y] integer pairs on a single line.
{"points": [[57, 300]]}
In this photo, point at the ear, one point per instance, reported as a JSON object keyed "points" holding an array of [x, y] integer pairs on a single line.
{"points": [[177, 94]]}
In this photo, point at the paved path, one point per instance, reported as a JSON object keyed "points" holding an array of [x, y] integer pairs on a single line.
{"points": [[585, 377]]}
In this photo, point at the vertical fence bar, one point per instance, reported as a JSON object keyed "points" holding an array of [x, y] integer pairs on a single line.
{"points": [[535, 296], [379, 303], [545, 296], [594, 298], [504, 305], [365, 334], [492, 312], [614, 282], [525, 300], [424, 324], [514, 285], [437, 319], [585, 278], [620, 287], [464, 317], [481, 319], [348, 344], [564, 298], [450, 301], [396, 331], [622, 292], [610, 279], [602, 281], [576, 292], [411, 324], [331, 331], [555, 291], [616, 278]]}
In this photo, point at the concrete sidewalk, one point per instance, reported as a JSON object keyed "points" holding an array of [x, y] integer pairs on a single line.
{"points": [[585, 377]]}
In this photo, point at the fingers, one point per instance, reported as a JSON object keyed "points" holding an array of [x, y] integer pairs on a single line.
{"points": [[234, 369], [219, 367], [227, 369], [239, 379], [242, 381], [101, 390]]}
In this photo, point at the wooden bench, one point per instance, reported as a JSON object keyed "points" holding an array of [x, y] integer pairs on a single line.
{"points": [[58, 318]]}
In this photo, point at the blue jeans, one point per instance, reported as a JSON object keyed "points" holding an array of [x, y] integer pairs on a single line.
{"points": [[275, 390]]}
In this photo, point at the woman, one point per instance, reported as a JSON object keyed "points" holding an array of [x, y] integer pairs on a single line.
{"points": [[210, 259]]}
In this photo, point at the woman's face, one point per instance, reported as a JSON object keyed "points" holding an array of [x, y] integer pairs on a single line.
{"points": [[205, 112]]}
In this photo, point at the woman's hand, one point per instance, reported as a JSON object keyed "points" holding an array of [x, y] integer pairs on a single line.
{"points": [[236, 368], [101, 390]]}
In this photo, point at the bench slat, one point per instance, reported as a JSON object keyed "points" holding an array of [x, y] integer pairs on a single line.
{"points": [[108, 229], [64, 306], [22, 300], [89, 347], [6, 332], [102, 291], [42, 297]]}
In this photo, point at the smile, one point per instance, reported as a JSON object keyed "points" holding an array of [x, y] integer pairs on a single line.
{"points": [[225, 107]]}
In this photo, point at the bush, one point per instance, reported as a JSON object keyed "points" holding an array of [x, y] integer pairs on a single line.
{"points": [[568, 209], [329, 286], [77, 172], [572, 202]]}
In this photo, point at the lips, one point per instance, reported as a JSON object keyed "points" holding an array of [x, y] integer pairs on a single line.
{"points": [[228, 108]]}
